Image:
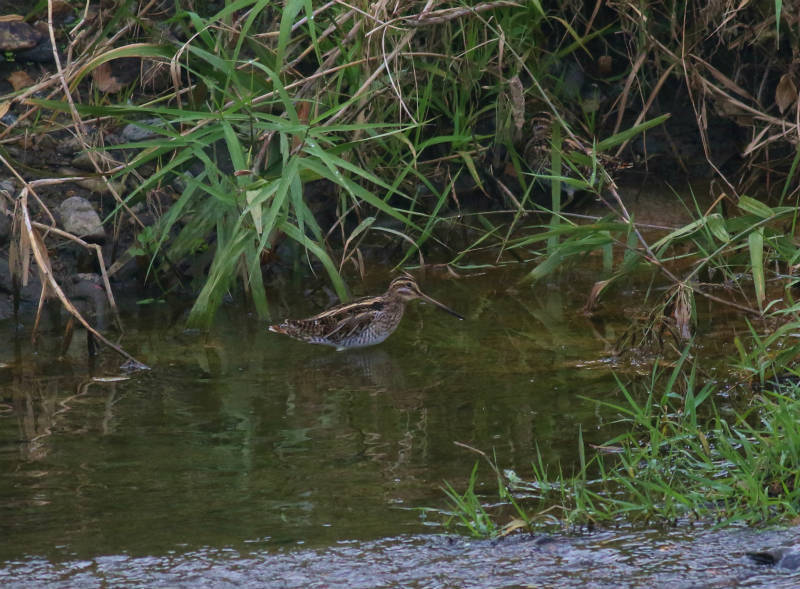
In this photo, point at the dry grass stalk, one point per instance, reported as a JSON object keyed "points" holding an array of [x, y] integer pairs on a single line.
{"points": [[29, 240]]}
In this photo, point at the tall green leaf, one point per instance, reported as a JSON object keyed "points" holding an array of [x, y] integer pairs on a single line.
{"points": [[755, 243]]}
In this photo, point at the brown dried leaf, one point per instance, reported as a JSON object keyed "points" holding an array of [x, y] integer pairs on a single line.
{"points": [[682, 313], [303, 109], [517, 102], [19, 251], [727, 82], [104, 79], [48, 267], [4, 106], [604, 64], [12, 18], [19, 80], [785, 93], [594, 295], [514, 525]]}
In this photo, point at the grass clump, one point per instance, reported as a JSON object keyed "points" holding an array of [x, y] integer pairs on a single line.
{"points": [[682, 457]]}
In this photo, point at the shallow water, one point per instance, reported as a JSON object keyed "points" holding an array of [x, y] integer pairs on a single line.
{"points": [[244, 457], [701, 558]]}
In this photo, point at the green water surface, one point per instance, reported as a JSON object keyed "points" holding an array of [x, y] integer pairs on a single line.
{"points": [[242, 446], [242, 436]]}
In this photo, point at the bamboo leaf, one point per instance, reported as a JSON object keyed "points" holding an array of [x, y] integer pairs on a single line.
{"points": [[755, 243], [549, 265], [755, 207], [133, 50], [678, 233], [254, 207], [256, 281], [220, 275], [716, 224], [290, 10], [363, 226], [473, 171], [337, 177], [234, 146], [627, 134]]}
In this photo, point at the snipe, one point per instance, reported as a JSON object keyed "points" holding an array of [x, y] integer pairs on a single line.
{"points": [[364, 322]]}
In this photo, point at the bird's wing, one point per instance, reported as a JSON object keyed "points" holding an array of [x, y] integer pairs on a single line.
{"points": [[351, 324]]}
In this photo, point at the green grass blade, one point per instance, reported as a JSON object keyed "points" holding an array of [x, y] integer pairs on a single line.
{"points": [[755, 244], [322, 255]]}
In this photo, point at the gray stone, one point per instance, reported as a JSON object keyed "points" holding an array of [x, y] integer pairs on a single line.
{"points": [[136, 132], [28, 293], [5, 227], [16, 35], [83, 161], [87, 293], [69, 145], [9, 187], [41, 53], [79, 218], [786, 557]]}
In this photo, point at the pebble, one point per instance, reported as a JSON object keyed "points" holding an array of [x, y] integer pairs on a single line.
{"points": [[135, 132], [79, 218], [785, 558]]}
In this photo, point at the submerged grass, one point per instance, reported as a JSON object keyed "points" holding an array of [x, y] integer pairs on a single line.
{"points": [[683, 457]]}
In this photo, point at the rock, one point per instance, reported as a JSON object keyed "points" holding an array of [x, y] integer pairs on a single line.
{"points": [[785, 558], [93, 184], [69, 145], [9, 119], [28, 293], [83, 161], [79, 218], [5, 227], [134, 132], [16, 35], [42, 53], [100, 186], [86, 291], [133, 366], [63, 12]]}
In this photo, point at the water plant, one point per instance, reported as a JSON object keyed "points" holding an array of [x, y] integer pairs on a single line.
{"points": [[683, 456]]}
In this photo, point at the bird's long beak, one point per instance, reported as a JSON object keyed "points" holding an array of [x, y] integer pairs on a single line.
{"points": [[433, 301]]}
